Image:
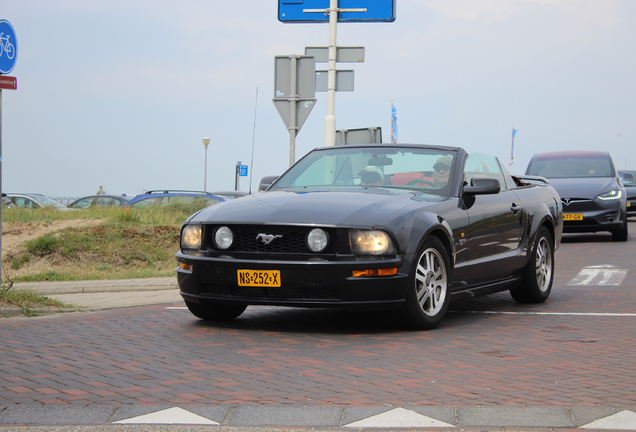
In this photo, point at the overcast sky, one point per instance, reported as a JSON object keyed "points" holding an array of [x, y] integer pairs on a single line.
{"points": [[120, 93]]}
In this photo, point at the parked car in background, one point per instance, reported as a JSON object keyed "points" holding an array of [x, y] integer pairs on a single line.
{"points": [[165, 197], [229, 194], [593, 197], [100, 201], [32, 200], [629, 182], [6, 202], [374, 227]]}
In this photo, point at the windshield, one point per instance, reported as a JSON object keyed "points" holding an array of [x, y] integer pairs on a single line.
{"points": [[572, 166], [629, 179], [47, 202], [407, 169]]}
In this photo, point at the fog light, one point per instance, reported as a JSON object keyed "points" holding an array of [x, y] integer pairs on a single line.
{"points": [[223, 237], [317, 240]]}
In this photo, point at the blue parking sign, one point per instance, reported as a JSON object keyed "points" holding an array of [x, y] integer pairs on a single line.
{"points": [[294, 11], [8, 47], [242, 170]]}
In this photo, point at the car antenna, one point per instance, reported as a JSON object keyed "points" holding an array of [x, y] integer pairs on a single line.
{"points": [[253, 135]]}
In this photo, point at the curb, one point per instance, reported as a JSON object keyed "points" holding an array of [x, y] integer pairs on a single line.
{"points": [[97, 286]]}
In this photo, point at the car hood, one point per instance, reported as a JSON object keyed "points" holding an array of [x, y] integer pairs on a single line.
{"points": [[584, 188], [320, 208], [631, 191]]}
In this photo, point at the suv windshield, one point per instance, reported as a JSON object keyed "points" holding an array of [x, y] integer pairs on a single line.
{"points": [[568, 166], [426, 170]]}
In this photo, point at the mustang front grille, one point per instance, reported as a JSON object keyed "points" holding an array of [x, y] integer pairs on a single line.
{"points": [[286, 239]]}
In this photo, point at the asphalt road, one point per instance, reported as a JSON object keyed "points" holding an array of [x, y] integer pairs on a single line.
{"points": [[492, 363]]}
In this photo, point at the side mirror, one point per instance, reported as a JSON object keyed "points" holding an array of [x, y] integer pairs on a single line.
{"points": [[628, 176], [266, 182], [482, 186]]}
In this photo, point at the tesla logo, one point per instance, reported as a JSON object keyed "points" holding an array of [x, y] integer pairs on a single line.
{"points": [[267, 238], [566, 201]]}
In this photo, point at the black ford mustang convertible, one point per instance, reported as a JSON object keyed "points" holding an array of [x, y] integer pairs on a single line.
{"points": [[374, 227]]}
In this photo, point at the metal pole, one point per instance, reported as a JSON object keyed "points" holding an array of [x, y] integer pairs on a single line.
{"points": [[205, 171], [206, 141], [236, 176], [330, 121], [293, 98], [1, 204]]}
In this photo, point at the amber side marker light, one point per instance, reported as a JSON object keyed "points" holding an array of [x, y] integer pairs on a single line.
{"points": [[375, 272], [185, 266]]}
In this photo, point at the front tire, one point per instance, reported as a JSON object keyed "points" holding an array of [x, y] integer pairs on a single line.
{"points": [[428, 296], [539, 273], [215, 311], [623, 234]]}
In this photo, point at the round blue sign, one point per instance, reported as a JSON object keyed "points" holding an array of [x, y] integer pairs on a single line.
{"points": [[8, 47]]}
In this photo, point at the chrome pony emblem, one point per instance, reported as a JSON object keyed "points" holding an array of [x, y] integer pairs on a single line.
{"points": [[267, 238]]}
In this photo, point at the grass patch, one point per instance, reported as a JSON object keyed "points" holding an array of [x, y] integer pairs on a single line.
{"points": [[122, 244], [27, 301], [44, 245]]}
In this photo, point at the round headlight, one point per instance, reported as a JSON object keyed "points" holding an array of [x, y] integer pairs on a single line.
{"points": [[317, 240], [223, 237]]}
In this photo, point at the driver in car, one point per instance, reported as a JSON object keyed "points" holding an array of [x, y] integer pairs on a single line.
{"points": [[442, 171], [371, 176]]}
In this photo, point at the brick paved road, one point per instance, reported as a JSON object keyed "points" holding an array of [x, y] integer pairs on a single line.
{"points": [[156, 356]]}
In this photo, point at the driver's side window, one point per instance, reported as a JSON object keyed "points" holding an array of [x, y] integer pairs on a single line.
{"points": [[481, 165]]}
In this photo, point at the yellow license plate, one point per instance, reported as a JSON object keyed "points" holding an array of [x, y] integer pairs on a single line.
{"points": [[629, 204], [572, 216], [262, 278]]}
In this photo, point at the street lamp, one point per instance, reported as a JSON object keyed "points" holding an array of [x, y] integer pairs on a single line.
{"points": [[206, 141]]}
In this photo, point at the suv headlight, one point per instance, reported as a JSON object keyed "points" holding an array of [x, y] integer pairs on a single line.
{"points": [[370, 242], [191, 237], [611, 195]]}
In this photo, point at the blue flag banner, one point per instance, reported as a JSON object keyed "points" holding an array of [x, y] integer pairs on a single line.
{"points": [[394, 128], [512, 146]]}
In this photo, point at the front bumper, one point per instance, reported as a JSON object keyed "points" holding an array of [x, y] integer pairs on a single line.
{"points": [[317, 283], [595, 221], [631, 206]]}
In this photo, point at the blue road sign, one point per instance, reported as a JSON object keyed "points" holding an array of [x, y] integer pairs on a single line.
{"points": [[292, 11], [8, 47], [242, 170]]}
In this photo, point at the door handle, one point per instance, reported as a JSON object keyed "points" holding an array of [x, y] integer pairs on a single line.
{"points": [[515, 208]]}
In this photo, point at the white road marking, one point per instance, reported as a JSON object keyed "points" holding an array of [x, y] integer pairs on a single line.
{"points": [[396, 418], [624, 420], [551, 313], [169, 416], [604, 274]]}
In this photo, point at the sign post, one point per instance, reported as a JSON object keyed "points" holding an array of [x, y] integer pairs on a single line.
{"points": [[241, 171], [294, 93], [348, 10], [8, 57]]}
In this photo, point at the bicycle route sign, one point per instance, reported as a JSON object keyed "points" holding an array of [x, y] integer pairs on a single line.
{"points": [[8, 47]]}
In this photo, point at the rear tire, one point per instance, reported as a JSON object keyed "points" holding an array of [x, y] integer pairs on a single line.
{"points": [[215, 311], [623, 234], [428, 296], [539, 274]]}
